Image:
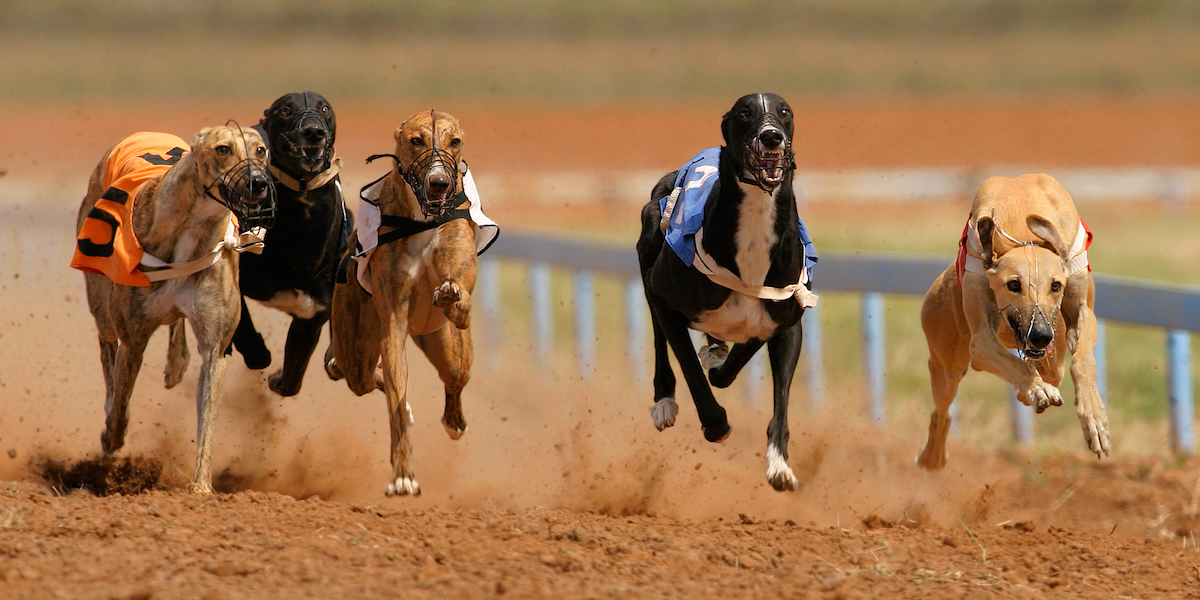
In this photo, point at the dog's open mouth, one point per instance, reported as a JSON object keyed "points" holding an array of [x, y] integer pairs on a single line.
{"points": [[768, 166], [1034, 353], [310, 158]]}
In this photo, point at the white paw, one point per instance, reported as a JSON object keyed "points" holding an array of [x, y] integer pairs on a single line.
{"points": [[1044, 395], [664, 412], [713, 355], [1095, 433], [454, 432], [779, 474], [448, 293], [404, 486]]}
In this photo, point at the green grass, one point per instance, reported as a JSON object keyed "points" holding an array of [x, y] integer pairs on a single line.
{"points": [[587, 51]]}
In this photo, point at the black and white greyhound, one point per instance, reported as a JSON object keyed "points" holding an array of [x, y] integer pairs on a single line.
{"points": [[723, 251]]}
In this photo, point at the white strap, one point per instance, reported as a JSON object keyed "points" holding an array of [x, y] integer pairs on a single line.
{"points": [[726, 279], [251, 241], [1077, 262]]}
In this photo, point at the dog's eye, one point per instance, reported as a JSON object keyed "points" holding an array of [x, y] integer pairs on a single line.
{"points": [[285, 112], [785, 113], [417, 141], [1014, 286], [260, 151], [324, 110], [744, 113], [223, 150], [454, 143], [1056, 286]]}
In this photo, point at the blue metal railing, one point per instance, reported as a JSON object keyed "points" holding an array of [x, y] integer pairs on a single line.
{"points": [[1171, 307]]}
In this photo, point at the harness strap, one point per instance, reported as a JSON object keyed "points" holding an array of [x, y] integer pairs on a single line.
{"points": [[1077, 261], [251, 241], [726, 279], [319, 180]]}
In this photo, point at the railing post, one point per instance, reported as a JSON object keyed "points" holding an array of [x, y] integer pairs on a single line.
{"points": [[1022, 417], [585, 322], [487, 285], [635, 328], [814, 363], [1179, 377], [874, 355], [543, 318]]}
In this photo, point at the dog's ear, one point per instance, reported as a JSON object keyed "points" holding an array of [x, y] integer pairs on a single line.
{"points": [[201, 136], [726, 122], [984, 228], [1046, 230]]}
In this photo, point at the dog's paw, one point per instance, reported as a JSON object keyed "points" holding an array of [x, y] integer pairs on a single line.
{"points": [[173, 373], [404, 486], [1041, 396], [718, 433], [713, 355], [931, 460], [455, 303], [200, 488], [332, 369], [455, 426], [664, 412], [408, 410], [779, 474], [1095, 433], [275, 382]]}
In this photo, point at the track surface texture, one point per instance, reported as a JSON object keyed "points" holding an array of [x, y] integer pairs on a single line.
{"points": [[561, 488]]}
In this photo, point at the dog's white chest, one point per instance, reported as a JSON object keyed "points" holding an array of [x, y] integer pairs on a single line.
{"points": [[737, 320], [294, 302], [741, 317]]}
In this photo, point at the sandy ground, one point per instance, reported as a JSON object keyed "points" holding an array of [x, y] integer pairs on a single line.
{"points": [[561, 486]]}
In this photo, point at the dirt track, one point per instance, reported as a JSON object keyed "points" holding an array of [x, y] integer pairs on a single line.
{"points": [[561, 487]]}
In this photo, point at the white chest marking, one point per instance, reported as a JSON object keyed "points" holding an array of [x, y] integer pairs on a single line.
{"points": [[294, 302], [740, 317]]}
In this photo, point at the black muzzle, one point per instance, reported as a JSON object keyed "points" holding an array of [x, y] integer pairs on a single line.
{"points": [[247, 191], [767, 149], [308, 138]]}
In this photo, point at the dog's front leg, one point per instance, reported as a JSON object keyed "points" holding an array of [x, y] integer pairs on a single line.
{"points": [[302, 338], [392, 301], [1089, 406], [988, 354], [455, 261], [213, 328], [784, 352], [675, 328]]}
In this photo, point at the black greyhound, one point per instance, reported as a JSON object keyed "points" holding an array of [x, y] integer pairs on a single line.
{"points": [[295, 271], [739, 273]]}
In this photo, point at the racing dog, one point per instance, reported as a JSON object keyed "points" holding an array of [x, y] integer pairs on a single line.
{"points": [[1021, 282], [723, 251], [157, 241], [295, 271], [417, 235]]}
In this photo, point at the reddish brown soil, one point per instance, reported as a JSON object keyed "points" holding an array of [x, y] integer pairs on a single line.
{"points": [[561, 487]]}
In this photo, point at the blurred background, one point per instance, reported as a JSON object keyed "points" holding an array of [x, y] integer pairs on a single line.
{"points": [[572, 110]]}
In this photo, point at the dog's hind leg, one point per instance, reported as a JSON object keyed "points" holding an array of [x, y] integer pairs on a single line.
{"points": [[949, 358], [302, 338], [122, 371], [249, 342], [177, 355], [784, 352], [665, 409], [449, 349], [739, 355], [674, 328]]}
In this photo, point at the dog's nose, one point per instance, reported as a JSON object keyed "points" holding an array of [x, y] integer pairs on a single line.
{"points": [[771, 138], [259, 187], [314, 134], [1040, 336], [438, 184]]}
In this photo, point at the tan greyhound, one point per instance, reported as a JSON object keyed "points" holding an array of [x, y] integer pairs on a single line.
{"points": [[1023, 283]]}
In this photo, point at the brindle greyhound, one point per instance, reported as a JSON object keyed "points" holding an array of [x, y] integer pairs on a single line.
{"points": [[177, 205], [1022, 282]]}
